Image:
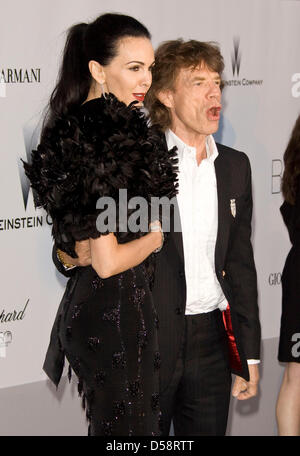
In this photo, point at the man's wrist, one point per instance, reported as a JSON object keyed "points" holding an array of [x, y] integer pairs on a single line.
{"points": [[253, 361]]}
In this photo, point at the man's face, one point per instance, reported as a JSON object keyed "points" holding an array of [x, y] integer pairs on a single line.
{"points": [[195, 101]]}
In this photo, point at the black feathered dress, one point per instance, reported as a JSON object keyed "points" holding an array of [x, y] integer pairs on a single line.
{"points": [[106, 328]]}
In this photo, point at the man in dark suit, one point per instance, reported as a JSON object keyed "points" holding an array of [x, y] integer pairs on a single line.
{"points": [[209, 266], [205, 286]]}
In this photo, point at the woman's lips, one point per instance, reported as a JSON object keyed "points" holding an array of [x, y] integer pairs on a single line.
{"points": [[139, 96]]}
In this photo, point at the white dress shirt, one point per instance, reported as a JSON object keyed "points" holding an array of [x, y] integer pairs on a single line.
{"points": [[198, 207]]}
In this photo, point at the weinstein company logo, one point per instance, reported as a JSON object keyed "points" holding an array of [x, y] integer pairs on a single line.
{"points": [[236, 59], [6, 336], [31, 136]]}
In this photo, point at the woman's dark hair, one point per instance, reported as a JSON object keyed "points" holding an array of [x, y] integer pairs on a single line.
{"points": [[291, 165], [95, 41]]}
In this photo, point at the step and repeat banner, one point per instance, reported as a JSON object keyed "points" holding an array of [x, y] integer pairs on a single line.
{"points": [[261, 100]]}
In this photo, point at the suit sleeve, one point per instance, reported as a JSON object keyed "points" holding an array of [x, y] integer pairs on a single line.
{"points": [[241, 272]]}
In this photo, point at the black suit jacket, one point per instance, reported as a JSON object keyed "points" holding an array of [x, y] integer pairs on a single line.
{"points": [[235, 271]]}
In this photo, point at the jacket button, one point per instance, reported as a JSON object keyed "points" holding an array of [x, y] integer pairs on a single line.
{"points": [[181, 273], [178, 311]]}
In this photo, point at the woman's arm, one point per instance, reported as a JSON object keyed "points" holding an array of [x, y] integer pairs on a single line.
{"points": [[110, 258]]}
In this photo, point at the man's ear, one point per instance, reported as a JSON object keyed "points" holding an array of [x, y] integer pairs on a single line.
{"points": [[166, 98], [97, 71]]}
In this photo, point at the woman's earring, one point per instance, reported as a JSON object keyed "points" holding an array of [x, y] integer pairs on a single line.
{"points": [[103, 90]]}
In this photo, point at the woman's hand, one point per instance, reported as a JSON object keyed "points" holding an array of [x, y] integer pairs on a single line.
{"points": [[83, 250]]}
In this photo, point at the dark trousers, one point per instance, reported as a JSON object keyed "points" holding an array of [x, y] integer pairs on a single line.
{"points": [[197, 398]]}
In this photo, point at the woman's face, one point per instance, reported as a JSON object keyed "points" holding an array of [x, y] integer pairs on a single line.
{"points": [[128, 76]]}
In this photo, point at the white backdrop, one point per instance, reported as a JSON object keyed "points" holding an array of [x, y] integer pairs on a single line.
{"points": [[257, 118]]}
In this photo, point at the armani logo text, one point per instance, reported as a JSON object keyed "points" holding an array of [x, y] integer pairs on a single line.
{"points": [[20, 75]]}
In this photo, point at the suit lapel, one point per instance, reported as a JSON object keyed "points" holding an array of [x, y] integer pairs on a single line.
{"points": [[223, 188], [177, 236]]}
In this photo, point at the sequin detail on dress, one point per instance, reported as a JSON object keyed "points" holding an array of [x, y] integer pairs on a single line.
{"points": [[155, 402], [157, 360], [100, 378], [118, 360], [93, 343], [112, 316], [119, 409], [97, 282]]}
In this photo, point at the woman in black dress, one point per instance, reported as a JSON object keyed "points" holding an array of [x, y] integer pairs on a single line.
{"points": [[94, 143], [288, 403]]}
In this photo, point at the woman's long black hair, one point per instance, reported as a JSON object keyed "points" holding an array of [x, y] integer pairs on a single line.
{"points": [[292, 165], [95, 41]]}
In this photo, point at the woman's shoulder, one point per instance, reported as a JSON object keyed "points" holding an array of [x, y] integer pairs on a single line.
{"points": [[109, 115], [98, 148], [101, 117]]}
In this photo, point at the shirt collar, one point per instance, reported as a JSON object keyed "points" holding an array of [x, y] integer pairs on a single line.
{"points": [[211, 148], [173, 140]]}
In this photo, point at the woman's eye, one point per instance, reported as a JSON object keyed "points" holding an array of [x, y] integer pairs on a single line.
{"points": [[135, 68]]}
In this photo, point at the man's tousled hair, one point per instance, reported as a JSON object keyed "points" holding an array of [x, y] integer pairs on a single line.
{"points": [[170, 58]]}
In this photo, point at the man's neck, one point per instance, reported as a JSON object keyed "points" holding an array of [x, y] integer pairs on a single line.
{"points": [[192, 139]]}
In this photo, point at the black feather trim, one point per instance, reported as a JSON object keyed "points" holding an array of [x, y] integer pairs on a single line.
{"points": [[102, 147]]}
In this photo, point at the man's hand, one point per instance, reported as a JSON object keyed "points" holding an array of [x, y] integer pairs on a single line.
{"points": [[83, 251], [243, 390]]}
